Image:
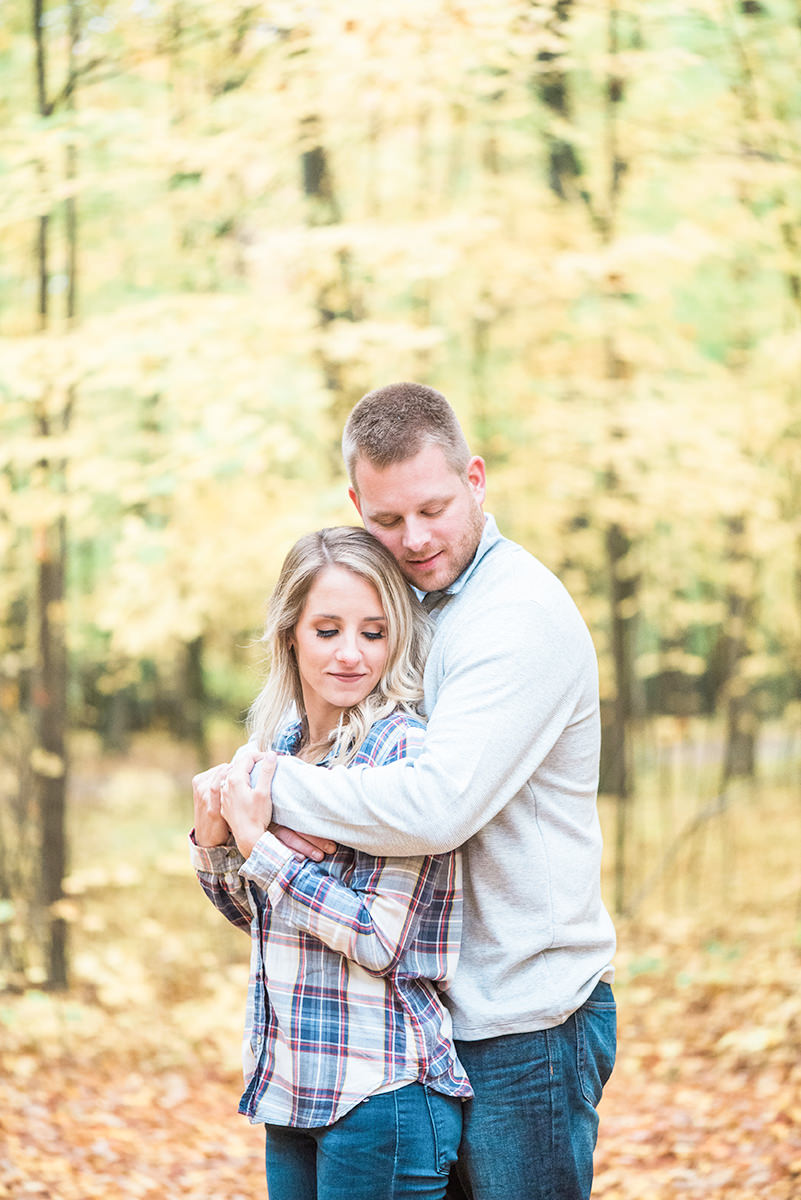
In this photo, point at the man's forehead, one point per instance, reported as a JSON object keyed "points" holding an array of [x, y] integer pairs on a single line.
{"points": [[426, 471]]}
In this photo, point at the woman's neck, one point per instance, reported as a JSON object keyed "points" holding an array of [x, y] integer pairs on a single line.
{"points": [[319, 718], [317, 737]]}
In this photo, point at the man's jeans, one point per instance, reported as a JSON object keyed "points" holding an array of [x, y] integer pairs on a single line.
{"points": [[394, 1146], [530, 1130]]}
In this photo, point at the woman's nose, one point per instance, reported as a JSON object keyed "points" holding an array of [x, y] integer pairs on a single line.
{"points": [[348, 649]]}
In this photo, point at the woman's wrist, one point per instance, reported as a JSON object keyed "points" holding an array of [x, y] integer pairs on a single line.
{"points": [[211, 832]]}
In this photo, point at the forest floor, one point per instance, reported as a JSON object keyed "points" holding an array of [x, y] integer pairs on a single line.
{"points": [[127, 1085]]}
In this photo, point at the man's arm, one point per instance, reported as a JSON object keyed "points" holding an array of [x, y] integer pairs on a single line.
{"points": [[513, 682]]}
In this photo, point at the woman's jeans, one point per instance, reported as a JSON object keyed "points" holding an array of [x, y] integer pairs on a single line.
{"points": [[393, 1146], [531, 1128]]}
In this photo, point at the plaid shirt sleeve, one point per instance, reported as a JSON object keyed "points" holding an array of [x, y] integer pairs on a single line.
{"points": [[376, 920], [217, 869]]}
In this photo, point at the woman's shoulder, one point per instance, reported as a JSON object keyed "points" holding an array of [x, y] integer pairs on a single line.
{"points": [[396, 736], [287, 738]]}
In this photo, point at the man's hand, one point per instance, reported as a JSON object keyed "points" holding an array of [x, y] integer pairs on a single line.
{"points": [[304, 844], [211, 828], [246, 809]]}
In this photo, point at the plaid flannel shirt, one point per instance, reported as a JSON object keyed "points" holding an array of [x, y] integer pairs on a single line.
{"points": [[345, 955]]}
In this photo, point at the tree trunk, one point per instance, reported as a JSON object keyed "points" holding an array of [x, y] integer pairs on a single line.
{"points": [[194, 698], [51, 759], [336, 298], [50, 688], [551, 84], [622, 581], [739, 757]]}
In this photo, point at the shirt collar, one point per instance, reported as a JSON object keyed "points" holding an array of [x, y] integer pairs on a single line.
{"points": [[489, 538], [289, 742]]}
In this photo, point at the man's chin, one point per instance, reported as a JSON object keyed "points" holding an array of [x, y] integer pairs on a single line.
{"points": [[429, 581], [420, 579]]}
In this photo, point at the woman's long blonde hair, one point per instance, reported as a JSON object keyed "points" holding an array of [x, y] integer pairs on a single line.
{"points": [[408, 636]]}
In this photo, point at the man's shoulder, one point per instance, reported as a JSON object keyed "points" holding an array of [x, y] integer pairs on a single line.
{"points": [[512, 574], [513, 596]]}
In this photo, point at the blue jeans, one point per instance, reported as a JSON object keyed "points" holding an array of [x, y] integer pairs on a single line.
{"points": [[390, 1147], [530, 1130]]}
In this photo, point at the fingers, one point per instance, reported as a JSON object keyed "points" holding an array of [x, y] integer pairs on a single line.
{"points": [[262, 785], [210, 827], [303, 844], [240, 807], [206, 785], [267, 763], [246, 758]]}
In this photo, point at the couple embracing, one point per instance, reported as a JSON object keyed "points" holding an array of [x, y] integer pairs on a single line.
{"points": [[431, 959]]}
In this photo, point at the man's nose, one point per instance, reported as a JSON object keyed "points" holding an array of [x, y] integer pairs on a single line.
{"points": [[415, 535]]}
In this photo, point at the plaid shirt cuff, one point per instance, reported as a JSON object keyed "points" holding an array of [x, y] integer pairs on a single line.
{"points": [[269, 860], [215, 860]]}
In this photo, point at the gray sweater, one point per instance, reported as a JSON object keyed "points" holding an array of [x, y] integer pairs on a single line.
{"points": [[509, 771]]}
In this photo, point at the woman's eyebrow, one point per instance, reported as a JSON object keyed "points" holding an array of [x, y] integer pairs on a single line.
{"points": [[337, 617]]}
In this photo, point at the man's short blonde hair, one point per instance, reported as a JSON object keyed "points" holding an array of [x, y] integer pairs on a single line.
{"points": [[393, 423]]}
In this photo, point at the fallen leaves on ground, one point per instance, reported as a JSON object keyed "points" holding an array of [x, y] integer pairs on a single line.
{"points": [[127, 1088], [705, 1099], [73, 1131]]}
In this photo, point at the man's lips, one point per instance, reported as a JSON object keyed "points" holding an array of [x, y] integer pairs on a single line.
{"points": [[424, 562]]}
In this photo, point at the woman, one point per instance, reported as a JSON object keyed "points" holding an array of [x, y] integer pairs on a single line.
{"points": [[349, 1059]]}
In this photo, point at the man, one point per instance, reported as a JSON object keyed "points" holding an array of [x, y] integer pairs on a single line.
{"points": [[509, 771]]}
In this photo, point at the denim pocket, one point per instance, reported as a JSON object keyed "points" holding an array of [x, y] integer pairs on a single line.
{"points": [[445, 1113], [596, 1041]]}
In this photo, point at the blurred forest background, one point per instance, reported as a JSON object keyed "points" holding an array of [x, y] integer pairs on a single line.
{"points": [[221, 223]]}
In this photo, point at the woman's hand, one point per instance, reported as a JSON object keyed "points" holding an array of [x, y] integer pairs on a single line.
{"points": [[247, 811], [211, 828], [304, 845]]}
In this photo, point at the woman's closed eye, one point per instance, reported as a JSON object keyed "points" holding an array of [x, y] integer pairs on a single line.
{"points": [[372, 635]]}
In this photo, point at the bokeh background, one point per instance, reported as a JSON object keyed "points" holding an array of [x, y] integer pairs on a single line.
{"points": [[220, 224]]}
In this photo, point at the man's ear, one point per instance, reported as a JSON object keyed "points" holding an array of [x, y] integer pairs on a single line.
{"points": [[477, 478], [355, 498]]}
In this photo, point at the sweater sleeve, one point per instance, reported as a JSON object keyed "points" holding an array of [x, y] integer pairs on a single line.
{"points": [[375, 921], [512, 680]]}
